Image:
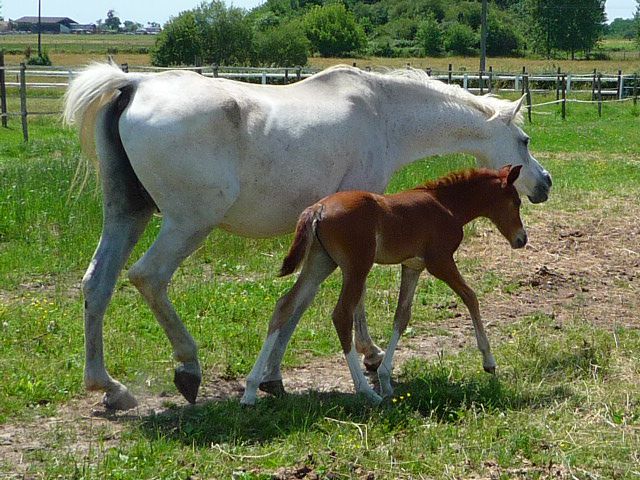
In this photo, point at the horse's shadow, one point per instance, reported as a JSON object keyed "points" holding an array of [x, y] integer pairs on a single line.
{"points": [[432, 395]]}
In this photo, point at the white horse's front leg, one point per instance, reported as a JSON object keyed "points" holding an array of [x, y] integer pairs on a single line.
{"points": [[408, 285]]}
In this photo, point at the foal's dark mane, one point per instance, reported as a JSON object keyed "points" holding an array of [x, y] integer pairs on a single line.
{"points": [[462, 177]]}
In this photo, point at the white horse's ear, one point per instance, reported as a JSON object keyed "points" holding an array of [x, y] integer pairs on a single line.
{"points": [[516, 108]]}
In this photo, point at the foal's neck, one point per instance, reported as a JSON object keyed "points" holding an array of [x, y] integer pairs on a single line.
{"points": [[466, 200]]}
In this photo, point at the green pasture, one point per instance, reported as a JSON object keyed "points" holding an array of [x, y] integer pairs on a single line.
{"points": [[565, 397]]}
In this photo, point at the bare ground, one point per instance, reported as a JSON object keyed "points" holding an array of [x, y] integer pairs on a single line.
{"points": [[578, 265]]}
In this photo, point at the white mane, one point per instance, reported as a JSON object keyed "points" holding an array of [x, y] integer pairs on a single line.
{"points": [[489, 104]]}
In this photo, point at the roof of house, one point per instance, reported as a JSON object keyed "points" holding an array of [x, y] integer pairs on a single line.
{"points": [[44, 20]]}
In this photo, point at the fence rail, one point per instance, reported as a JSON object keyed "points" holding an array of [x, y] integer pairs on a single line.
{"points": [[602, 87]]}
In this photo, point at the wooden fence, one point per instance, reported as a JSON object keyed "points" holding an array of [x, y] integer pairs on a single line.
{"points": [[598, 86]]}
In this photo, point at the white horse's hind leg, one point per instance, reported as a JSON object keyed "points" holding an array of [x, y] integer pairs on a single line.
{"points": [[127, 209], [118, 238], [151, 275]]}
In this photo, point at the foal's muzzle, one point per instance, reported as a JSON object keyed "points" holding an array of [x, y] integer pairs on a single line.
{"points": [[520, 240]]}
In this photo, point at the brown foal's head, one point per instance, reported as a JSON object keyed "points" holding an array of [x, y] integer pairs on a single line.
{"points": [[505, 210]]}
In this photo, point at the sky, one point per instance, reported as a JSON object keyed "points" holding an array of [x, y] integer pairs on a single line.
{"points": [[143, 11]]}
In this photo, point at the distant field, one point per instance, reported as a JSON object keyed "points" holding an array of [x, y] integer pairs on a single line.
{"points": [[133, 49]]}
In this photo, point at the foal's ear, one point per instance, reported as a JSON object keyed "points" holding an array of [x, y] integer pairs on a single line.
{"points": [[514, 172]]}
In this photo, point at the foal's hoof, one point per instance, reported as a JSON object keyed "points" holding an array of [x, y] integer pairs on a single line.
{"points": [[187, 384], [273, 387], [119, 399], [373, 361], [491, 369]]}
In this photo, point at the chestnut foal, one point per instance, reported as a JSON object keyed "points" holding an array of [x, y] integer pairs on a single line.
{"points": [[419, 228]]}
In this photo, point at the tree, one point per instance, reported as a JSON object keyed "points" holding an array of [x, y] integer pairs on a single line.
{"points": [[460, 39], [282, 46], [636, 18], [112, 22], [571, 25], [429, 36], [333, 31], [210, 33], [130, 26], [503, 38]]}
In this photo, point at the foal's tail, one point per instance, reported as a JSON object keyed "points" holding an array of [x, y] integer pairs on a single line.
{"points": [[88, 92], [305, 230]]}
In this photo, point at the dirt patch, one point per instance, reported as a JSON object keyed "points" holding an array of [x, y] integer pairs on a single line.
{"points": [[583, 264]]}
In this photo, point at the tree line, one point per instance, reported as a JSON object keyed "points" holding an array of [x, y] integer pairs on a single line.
{"points": [[286, 32]]}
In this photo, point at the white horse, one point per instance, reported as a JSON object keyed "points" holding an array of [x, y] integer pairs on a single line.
{"points": [[248, 158]]}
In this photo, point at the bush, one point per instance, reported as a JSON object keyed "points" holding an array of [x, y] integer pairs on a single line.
{"points": [[211, 33], [42, 60], [460, 39], [429, 36], [333, 31], [282, 46], [502, 38]]}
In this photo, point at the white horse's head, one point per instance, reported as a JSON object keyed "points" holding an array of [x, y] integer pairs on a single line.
{"points": [[506, 144]]}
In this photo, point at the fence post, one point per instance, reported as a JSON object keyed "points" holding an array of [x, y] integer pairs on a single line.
{"points": [[481, 82], [525, 85], [635, 89], [465, 81], [3, 91], [23, 101], [215, 70], [593, 86], [599, 82], [125, 67], [449, 74], [558, 80], [564, 97], [298, 72], [286, 76], [490, 79], [524, 72], [264, 78], [620, 84]]}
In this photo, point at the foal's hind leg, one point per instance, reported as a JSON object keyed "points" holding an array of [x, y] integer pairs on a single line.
{"points": [[373, 354], [151, 275], [289, 309]]}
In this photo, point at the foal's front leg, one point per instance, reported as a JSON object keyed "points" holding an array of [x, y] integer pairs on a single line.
{"points": [[447, 271], [402, 316]]}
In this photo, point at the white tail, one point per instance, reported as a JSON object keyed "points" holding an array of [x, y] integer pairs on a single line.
{"points": [[91, 89]]}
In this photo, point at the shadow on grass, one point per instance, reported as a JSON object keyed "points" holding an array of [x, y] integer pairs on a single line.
{"points": [[427, 391]]}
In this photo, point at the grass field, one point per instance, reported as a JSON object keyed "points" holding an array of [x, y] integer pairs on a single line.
{"points": [[77, 50], [566, 338]]}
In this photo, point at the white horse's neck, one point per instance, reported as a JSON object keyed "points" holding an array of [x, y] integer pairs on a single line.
{"points": [[426, 120]]}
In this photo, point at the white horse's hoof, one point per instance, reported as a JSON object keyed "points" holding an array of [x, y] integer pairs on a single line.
{"points": [[119, 399], [372, 397], [273, 387], [187, 378]]}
